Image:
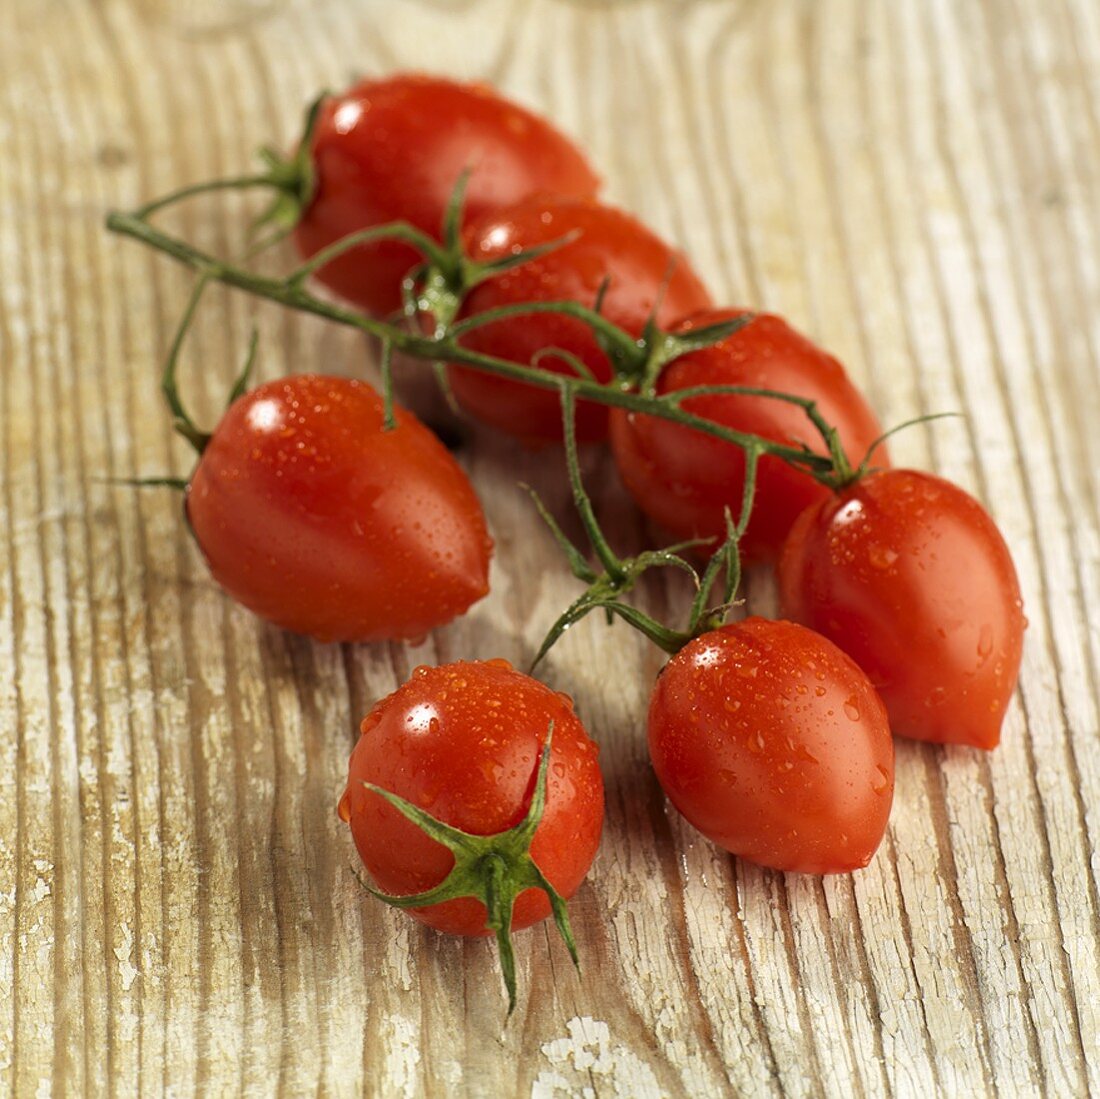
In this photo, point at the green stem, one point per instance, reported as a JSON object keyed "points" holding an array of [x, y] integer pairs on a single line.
{"points": [[392, 230], [389, 420], [608, 558], [181, 418], [237, 183], [627, 347], [445, 348]]}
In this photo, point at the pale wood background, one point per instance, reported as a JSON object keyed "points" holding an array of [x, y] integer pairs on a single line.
{"points": [[916, 183]]}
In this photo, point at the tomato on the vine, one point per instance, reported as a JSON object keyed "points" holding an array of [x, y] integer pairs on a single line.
{"points": [[685, 480], [774, 744], [392, 149], [609, 245], [463, 743], [909, 575], [318, 519]]}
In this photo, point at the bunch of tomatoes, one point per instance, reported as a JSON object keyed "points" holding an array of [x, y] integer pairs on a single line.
{"points": [[462, 228]]}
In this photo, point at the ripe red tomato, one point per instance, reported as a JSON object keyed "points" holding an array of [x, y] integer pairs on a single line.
{"points": [[774, 744], [462, 742], [610, 245], [393, 149], [910, 577], [684, 480], [317, 519]]}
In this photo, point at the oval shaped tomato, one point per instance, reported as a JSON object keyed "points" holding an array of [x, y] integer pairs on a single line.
{"points": [[393, 149], [684, 480], [611, 245], [772, 743], [317, 519], [908, 575], [462, 742]]}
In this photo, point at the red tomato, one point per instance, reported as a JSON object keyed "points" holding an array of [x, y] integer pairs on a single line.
{"points": [[317, 519], [610, 245], [684, 480], [775, 746], [462, 742], [911, 578], [393, 149]]}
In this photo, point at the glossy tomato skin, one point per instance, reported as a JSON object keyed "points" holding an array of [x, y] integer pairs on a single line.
{"points": [[393, 149], [684, 480], [609, 244], [773, 743], [315, 518], [463, 741], [909, 575]]}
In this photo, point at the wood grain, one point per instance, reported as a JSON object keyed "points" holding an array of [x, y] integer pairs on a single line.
{"points": [[916, 184]]}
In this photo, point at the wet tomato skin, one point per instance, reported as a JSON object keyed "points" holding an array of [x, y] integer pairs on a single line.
{"points": [[610, 244], [909, 575], [773, 743], [316, 519], [462, 741], [684, 480], [393, 149]]}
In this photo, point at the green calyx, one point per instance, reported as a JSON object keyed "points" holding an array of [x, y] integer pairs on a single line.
{"points": [[293, 177], [493, 869]]}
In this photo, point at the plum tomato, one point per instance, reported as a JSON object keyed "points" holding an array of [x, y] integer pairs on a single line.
{"points": [[393, 149], [685, 480], [909, 575], [609, 244], [462, 742], [316, 518], [774, 744]]}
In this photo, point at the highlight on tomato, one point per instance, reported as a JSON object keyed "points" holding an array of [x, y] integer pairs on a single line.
{"points": [[317, 518], [392, 149], [685, 480], [774, 745], [603, 257], [475, 800], [910, 576]]}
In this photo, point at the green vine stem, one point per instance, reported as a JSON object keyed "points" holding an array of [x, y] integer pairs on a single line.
{"points": [[605, 590], [446, 348]]}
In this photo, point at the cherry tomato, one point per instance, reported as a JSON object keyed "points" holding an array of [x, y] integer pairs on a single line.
{"points": [[462, 742], [314, 517], [773, 743], [393, 149], [684, 480], [910, 576], [611, 245]]}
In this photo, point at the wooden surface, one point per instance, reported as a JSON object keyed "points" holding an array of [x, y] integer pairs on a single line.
{"points": [[915, 183]]}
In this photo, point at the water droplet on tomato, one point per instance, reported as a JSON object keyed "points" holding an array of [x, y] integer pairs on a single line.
{"points": [[344, 808], [881, 557], [851, 709], [882, 783], [985, 642]]}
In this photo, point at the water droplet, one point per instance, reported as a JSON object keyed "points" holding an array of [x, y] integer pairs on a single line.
{"points": [[731, 705], [851, 709], [727, 776], [882, 783], [881, 557], [985, 642], [344, 808]]}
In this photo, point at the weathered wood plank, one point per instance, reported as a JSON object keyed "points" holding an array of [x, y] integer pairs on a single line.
{"points": [[915, 185]]}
